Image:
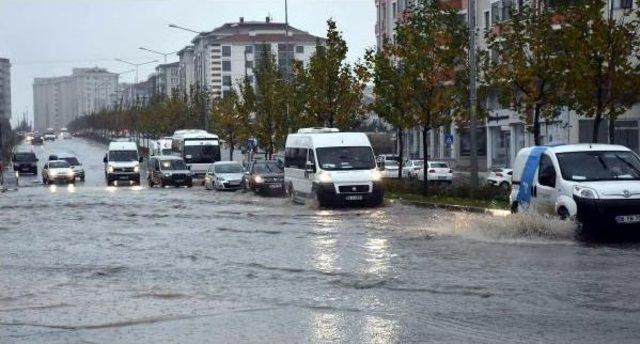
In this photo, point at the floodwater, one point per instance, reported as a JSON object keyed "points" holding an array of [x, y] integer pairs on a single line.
{"points": [[97, 264]]}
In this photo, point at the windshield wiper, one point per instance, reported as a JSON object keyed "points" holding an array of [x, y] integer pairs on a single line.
{"points": [[606, 168], [630, 165]]}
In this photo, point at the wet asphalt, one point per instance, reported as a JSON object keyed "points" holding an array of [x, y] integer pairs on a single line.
{"points": [[98, 264]]}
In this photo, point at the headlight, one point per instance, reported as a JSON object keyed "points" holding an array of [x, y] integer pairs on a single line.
{"points": [[585, 192], [136, 169], [325, 178], [259, 179], [110, 169], [167, 175], [376, 176]]}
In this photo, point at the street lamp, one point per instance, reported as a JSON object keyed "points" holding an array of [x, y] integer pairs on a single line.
{"points": [[137, 65], [184, 28], [159, 53]]}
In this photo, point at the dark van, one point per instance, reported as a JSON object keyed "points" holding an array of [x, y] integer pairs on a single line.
{"points": [[25, 162]]}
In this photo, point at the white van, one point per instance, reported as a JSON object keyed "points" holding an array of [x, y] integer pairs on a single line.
{"points": [[122, 163], [332, 168], [597, 184]]}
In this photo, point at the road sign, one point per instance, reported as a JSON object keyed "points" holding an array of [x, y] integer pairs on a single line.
{"points": [[448, 139]]}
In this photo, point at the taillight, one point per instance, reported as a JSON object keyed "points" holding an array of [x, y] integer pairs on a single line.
{"points": [[432, 171], [498, 174]]}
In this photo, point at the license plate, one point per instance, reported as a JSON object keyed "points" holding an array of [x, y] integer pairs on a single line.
{"points": [[179, 180], [275, 186], [625, 219], [442, 177], [354, 198], [123, 178]]}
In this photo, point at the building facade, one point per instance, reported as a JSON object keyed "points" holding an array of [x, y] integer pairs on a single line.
{"points": [[504, 132], [59, 100], [5, 89], [186, 69], [168, 78], [223, 57]]}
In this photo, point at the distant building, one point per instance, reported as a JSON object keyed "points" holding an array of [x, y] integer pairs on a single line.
{"points": [[59, 100], [5, 89], [225, 56], [168, 78], [186, 69], [140, 93]]}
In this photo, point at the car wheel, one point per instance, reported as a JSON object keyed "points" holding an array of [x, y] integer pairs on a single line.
{"points": [[563, 213], [82, 179], [505, 185], [150, 182], [514, 208]]}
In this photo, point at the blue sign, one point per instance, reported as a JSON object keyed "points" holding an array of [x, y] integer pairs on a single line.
{"points": [[448, 139]]}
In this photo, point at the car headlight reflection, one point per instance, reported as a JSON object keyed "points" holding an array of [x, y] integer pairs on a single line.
{"points": [[259, 179], [136, 169], [376, 176], [325, 178], [110, 169]]}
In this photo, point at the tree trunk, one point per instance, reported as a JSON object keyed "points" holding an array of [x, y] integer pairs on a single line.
{"points": [[536, 124], [612, 130], [231, 146], [425, 165], [596, 127], [401, 150]]}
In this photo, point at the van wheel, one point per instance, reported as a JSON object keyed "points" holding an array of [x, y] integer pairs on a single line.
{"points": [[563, 213]]}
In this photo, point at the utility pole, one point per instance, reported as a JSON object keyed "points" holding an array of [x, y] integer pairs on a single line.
{"points": [[290, 67], [473, 95]]}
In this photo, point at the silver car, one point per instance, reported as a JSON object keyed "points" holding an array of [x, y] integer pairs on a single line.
{"points": [[224, 175]]}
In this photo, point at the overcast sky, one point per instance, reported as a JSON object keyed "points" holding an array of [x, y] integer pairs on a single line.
{"points": [[44, 38]]}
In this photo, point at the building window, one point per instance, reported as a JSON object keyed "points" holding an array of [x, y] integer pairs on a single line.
{"points": [[226, 66], [226, 80], [226, 51], [248, 64], [300, 49], [394, 7], [248, 49], [487, 20]]}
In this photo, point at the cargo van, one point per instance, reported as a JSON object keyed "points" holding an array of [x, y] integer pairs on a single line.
{"points": [[122, 163], [332, 168], [597, 184]]}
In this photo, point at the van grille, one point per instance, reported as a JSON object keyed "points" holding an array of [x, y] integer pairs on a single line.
{"points": [[123, 169], [353, 188]]}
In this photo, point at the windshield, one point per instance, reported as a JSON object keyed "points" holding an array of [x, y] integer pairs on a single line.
{"points": [[597, 166], [123, 155], [25, 157], [346, 158], [59, 164], [167, 152], [269, 167], [229, 168], [438, 165], [72, 161], [204, 154], [166, 165]]}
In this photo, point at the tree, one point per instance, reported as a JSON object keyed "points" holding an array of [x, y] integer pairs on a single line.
{"points": [[431, 47], [522, 63], [270, 105], [599, 57], [231, 123], [333, 87], [391, 102]]}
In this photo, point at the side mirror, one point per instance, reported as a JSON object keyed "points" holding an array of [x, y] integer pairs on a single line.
{"points": [[189, 168], [310, 167], [104, 160]]}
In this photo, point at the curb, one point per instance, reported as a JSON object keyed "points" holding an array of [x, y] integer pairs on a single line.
{"points": [[453, 207]]}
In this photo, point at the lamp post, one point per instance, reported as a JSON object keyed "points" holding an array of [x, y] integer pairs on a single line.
{"points": [[159, 53], [137, 65], [473, 95], [203, 83]]}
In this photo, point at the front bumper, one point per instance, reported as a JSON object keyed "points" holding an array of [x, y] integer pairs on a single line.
{"points": [[62, 178], [123, 176], [178, 180], [605, 214], [439, 177], [266, 188], [26, 168], [327, 195], [228, 185]]}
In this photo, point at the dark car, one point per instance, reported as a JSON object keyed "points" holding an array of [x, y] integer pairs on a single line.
{"points": [[37, 140], [168, 170], [265, 177], [25, 162]]}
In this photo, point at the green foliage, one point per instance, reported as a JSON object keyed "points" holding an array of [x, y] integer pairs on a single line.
{"points": [[232, 124], [270, 105]]}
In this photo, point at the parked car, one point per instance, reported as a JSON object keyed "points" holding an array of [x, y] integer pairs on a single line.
{"points": [[410, 168], [438, 171], [597, 184], [390, 169], [224, 175], [265, 177], [163, 170], [500, 177], [57, 171], [25, 162]]}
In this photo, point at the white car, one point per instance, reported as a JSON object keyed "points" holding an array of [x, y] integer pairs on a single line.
{"points": [[58, 171], [500, 177], [224, 175], [411, 167], [76, 165], [438, 172], [391, 169]]}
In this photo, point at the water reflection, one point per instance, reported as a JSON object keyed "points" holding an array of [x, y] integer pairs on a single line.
{"points": [[325, 255], [378, 257], [379, 330], [327, 328]]}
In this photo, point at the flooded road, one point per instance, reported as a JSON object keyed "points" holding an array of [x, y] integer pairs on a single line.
{"points": [[93, 264]]}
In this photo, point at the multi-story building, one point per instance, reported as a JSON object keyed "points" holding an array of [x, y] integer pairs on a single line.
{"points": [[186, 69], [226, 55], [504, 133], [168, 78], [5, 89], [59, 100], [139, 93]]}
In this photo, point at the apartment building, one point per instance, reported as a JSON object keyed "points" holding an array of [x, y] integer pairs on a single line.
{"points": [[168, 78], [5, 89], [223, 57], [186, 69], [59, 100]]}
